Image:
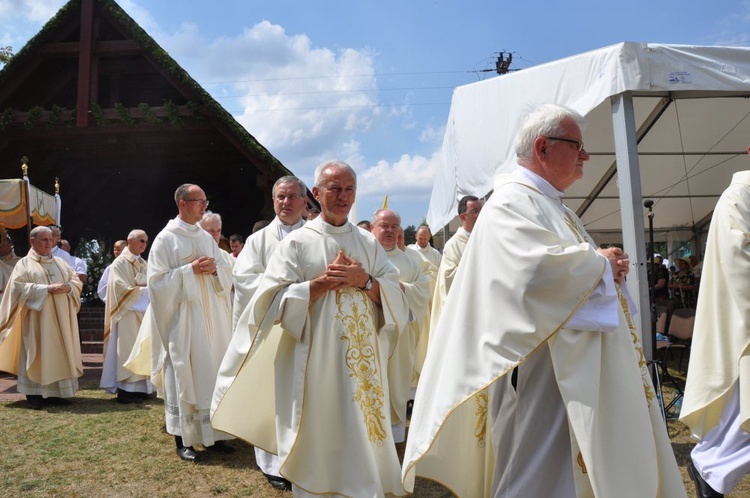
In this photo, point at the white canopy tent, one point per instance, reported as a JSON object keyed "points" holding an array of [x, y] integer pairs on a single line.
{"points": [[671, 122]]}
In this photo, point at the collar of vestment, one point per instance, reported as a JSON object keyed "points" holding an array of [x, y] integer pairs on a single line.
{"points": [[394, 251], [320, 226], [8, 257], [183, 228], [741, 177], [130, 256], [284, 229], [45, 260], [540, 183]]}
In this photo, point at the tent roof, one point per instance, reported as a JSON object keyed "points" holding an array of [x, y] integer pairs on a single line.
{"points": [[691, 118]]}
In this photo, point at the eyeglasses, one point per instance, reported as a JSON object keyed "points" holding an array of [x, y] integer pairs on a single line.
{"points": [[578, 143], [282, 198], [201, 202], [143, 241]]}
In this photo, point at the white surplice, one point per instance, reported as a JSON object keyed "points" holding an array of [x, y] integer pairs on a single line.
{"points": [[402, 362], [324, 410], [527, 270], [39, 339], [186, 329], [126, 301], [431, 258]]}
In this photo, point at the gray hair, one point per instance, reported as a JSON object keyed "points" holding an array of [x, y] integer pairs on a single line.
{"points": [[208, 215], [39, 230], [331, 164], [290, 179], [182, 192], [546, 120]]}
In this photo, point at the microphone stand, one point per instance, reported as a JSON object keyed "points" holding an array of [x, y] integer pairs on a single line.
{"points": [[655, 362]]}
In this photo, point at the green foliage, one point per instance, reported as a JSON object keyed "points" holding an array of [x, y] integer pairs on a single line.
{"points": [[410, 235], [33, 116], [97, 258], [6, 53], [124, 114]]}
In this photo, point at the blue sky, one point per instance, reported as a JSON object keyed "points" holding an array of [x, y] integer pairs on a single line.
{"points": [[369, 82]]}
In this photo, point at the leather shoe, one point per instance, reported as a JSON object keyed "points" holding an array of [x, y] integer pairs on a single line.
{"points": [[187, 453], [702, 488], [221, 447], [278, 482], [58, 401], [36, 401]]}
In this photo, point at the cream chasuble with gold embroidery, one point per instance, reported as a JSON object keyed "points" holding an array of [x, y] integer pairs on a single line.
{"points": [[720, 354], [325, 410], [41, 329], [402, 361], [527, 269]]}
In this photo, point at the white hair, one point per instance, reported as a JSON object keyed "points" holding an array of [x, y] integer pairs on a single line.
{"points": [[38, 230], [210, 216], [544, 121], [135, 233], [331, 164]]}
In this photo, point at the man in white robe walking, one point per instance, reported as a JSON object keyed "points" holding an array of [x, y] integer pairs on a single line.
{"points": [[39, 339], [289, 201], [127, 300], [324, 410], [386, 224], [535, 336], [717, 393], [188, 322]]}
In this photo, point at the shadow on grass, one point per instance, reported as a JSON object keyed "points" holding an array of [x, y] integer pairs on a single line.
{"points": [[82, 405]]}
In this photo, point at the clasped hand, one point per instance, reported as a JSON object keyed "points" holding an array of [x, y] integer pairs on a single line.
{"points": [[204, 266], [58, 288], [344, 272], [619, 261]]}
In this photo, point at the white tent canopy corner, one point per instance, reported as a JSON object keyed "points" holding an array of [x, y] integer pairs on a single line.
{"points": [[665, 122]]}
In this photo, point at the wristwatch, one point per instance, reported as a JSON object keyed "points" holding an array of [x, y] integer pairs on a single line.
{"points": [[368, 285]]}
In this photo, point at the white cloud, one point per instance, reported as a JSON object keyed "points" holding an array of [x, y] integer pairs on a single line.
{"points": [[410, 174], [432, 134], [31, 10]]}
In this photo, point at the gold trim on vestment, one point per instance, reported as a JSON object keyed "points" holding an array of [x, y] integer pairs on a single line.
{"points": [[362, 359]]}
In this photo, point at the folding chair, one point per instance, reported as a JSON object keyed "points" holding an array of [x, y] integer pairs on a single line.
{"points": [[681, 332]]}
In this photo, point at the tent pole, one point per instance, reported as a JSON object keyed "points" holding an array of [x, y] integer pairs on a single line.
{"points": [[631, 209]]}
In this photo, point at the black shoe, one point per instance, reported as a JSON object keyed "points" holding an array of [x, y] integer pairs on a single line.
{"points": [[278, 482], [221, 447], [58, 401], [36, 401], [702, 488], [187, 453], [126, 397]]}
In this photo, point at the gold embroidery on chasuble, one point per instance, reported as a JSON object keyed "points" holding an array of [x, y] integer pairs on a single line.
{"points": [[581, 463], [480, 430], [362, 359], [647, 387]]}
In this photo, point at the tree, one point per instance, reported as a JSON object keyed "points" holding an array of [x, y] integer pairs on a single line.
{"points": [[6, 54], [410, 235]]}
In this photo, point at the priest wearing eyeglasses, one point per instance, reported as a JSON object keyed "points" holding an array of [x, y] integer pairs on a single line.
{"points": [[188, 283]]}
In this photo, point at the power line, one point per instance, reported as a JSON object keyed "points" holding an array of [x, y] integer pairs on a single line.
{"points": [[410, 104], [337, 76], [270, 94]]}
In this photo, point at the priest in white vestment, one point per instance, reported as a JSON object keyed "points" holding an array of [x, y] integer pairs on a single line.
{"points": [[39, 339], [101, 286], [289, 202], [717, 393], [123, 313], [432, 259], [325, 409], [536, 336], [211, 223], [386, 224], [188, 324]]}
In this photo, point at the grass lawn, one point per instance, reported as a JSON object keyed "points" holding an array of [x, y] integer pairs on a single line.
{"points": [[97, 447]]}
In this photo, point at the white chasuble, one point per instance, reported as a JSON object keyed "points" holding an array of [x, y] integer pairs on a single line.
{"points": [[402, 361], [127, 300], [720, 354], [528, 268], [186, 329], [39, 339], [325, 409]]}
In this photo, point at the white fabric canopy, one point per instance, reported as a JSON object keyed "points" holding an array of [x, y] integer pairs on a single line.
{"points": [[692, 125]]}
